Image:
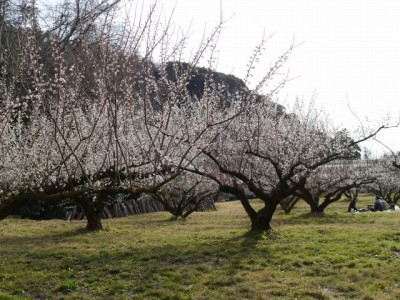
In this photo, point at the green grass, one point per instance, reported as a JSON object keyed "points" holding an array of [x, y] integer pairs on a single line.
{"points": [[209, 256]]}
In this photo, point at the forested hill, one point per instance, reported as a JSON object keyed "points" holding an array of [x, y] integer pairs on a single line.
{"points": [[234, 87], [195, 86]]}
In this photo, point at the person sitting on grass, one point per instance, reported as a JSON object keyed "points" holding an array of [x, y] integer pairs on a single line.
{"points": [[378, 204], [352, 206]]}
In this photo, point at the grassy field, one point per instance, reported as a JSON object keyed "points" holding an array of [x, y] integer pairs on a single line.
{"points": [[209, 256]]}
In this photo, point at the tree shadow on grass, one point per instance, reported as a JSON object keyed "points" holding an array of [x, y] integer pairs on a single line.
{"points": [[251, 238], [215, 253], [45, 239], [215, 245], [212, 260], [316, 218]]}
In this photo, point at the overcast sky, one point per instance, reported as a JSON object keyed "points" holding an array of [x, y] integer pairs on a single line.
{"points": [[349, 50]]}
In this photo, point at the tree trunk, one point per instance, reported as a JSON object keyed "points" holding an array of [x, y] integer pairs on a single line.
{"points": [[93, 217], [259, 222], [262, 220], [288, 203], [93, 208], [327, 201], [314, 207], [317, 209]]}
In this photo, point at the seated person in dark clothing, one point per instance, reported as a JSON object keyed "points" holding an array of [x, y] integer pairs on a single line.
{"points": [[352, 206], [378, 204]]}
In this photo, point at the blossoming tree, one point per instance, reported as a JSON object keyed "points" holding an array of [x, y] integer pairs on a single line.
{"points": [[273, 154], [108, 110]]}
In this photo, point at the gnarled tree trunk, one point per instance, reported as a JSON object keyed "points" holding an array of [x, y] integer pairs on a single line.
{"points": [[93, 207], [315, 207], [288, 203], [317, 210], [261, 221]]}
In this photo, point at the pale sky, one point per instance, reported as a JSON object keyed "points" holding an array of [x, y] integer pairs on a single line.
{"points": [[349, 50]]}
